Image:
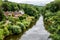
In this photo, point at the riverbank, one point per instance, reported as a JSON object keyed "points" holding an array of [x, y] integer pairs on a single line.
{"points": [[14, 37], [16, 25], [37, 32]]}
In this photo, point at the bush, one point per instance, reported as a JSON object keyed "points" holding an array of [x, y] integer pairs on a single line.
{"points": [[1, 15], [26, 23], [22, 17], [15, 29], [1, 34], [21, 25], [6, 31]]}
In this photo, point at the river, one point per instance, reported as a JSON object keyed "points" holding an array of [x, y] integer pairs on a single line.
{"points": [[37, 32]]}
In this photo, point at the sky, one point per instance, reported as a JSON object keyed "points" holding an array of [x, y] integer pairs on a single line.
{"points": [[34, 2]]}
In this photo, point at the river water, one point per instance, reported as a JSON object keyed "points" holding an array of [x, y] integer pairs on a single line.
{"points": [[37, 32]]}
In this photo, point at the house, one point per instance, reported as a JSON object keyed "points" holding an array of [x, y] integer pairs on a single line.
{"points": [[21, 12], [7, 13], [14, 14]]}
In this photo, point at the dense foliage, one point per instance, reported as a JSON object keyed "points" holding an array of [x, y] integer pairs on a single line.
{"points": [[1, 12], [52, 19], [2, 17], [10, 25], [28, 9], [51, 13], [14, 25]]}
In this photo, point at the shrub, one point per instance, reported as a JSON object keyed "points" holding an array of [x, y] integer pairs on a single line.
{"points": [[23, 27], [1, 15], [22, 17], [6, 31], [15, 29], [26, 23], [1, 34]]}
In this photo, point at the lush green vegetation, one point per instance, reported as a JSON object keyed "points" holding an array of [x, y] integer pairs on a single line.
{"points": [[14, 25], [51, 14], [29, 9], [10, 25]]}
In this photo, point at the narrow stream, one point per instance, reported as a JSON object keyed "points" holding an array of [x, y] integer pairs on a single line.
{"points": [[37, 32]]}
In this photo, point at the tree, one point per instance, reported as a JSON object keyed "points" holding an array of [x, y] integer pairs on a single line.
{"points": [[1, 12], [53, 6], [5, 6]]}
